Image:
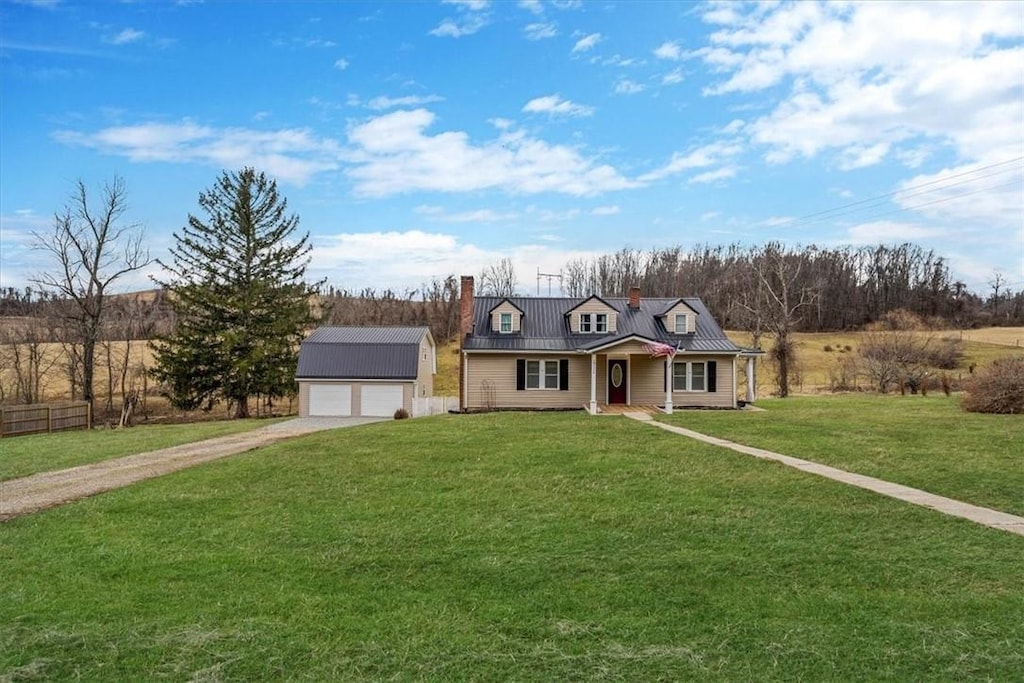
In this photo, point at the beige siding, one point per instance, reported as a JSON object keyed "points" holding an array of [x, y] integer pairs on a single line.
{"points": [[506, 307], [592, 306], [425, 368], [648, 387], [669, 319], [491, 383], [304, 385]]}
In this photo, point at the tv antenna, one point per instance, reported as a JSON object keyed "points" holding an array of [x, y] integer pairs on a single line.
{"points": [[550, 277]]}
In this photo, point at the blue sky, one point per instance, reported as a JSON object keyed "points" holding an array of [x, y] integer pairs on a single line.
{"points": [[421, 139]]}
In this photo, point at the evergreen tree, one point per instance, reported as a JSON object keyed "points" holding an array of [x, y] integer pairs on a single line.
{"points": [[239, 296]]}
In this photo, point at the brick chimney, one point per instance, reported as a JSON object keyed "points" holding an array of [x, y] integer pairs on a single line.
{"points": [[634, 298], [465, 329], [466, 307]]}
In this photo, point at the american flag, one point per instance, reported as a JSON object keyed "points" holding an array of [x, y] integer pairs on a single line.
{"points": [[659, 350]]}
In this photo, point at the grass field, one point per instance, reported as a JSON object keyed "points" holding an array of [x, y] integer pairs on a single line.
{"points": [[814, 363], [924, 442], [24, 455], [505, 547]]}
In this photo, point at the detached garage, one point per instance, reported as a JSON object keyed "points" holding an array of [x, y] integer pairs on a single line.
{"points": [[364, 371]]}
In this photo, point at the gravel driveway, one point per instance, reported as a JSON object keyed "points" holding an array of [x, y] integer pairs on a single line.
{"points": [[48, 489]]}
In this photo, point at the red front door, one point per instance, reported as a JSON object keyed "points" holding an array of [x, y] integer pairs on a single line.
{"points": [[618, 378]]}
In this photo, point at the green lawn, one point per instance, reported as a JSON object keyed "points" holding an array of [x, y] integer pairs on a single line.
{"points": [[924, 442], [505, 547], [21, 456]]}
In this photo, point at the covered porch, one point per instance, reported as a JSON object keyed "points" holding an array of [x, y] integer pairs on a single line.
{"points": [[636, 374]]}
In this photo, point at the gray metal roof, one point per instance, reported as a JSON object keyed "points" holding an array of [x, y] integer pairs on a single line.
{"points": [[361, 353], [545, 326]]}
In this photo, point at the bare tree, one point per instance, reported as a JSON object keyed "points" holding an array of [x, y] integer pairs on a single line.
{"points": [[996, 283], [780, 303], [499, 279], [92, 249]]}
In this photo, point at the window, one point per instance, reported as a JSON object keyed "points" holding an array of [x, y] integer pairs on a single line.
{"points": [[542, 374], [681, 324], [593, 322], [689, 376], [505, 324]]}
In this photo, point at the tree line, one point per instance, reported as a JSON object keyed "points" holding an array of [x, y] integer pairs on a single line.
{"points": [[225, 323]]}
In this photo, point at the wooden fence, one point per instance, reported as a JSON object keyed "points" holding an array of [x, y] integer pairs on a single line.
{"points": [[44, 417]]}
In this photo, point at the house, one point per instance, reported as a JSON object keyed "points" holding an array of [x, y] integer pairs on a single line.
{"points": [[364, 371], [594, 352]]}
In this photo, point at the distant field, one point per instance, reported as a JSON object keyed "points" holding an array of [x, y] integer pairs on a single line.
{"points": [[814, 364]]}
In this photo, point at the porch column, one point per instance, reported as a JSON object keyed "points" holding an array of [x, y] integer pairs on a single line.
{"points": [[593, 384], [750, 379], [668, 384]]}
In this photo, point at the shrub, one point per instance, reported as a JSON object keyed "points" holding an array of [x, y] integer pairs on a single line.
{"points": [[947, 386], [401, 414], [998, 388], [828, 348], [945, 353], [848, 348]]}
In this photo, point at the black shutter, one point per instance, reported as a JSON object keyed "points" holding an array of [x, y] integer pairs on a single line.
{"points": [[520, 374], [664, 376], [712, 375], [563, 374]]}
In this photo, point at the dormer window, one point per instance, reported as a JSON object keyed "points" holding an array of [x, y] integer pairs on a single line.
{"points": [[505, 323], [593, 323], [681, 324]]}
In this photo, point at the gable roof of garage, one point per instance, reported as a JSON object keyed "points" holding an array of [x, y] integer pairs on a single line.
{"points": [[361, 353]]}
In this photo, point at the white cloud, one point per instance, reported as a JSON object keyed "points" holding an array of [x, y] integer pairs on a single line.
{"points": [[672, 77], [604, 211], [986, 195], [384, 102], [889, 232], [472, 5], [669, 50], [467, 26], [292, 155], [400, 259], [437, 213], [341, 64], [586, 43], [628, 87], [723, 173], [393, 153], [618, 60], [540, 31], [554, 104], [949, 77], [709, 216], [776, 221], [531, 6], [126, 36], [712, 154]]}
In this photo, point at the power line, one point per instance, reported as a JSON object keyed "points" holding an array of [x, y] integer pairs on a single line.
{"points": [[944, 199], [879, 198]]}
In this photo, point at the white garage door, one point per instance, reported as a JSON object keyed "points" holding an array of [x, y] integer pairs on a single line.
{"points": [[330, 400], [381, 400]]}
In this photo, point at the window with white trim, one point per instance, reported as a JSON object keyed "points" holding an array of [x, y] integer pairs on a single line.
{"points": [[542, 374], [593, 322], [689, 376], [681, 327], [505, 323]]}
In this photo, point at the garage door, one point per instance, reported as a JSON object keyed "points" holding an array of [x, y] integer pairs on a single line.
{"points": [[381, 400], [331, 400]]}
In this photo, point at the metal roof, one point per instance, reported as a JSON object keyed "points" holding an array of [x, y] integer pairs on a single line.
{"points": [[545, 326], [361, 353]]}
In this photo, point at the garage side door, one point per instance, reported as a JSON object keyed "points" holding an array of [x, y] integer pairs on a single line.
{"points": [[330, 400], [381, 400]]}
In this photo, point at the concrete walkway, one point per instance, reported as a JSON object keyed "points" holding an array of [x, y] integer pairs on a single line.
{"points": [[48, 489], [992, 518]]}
